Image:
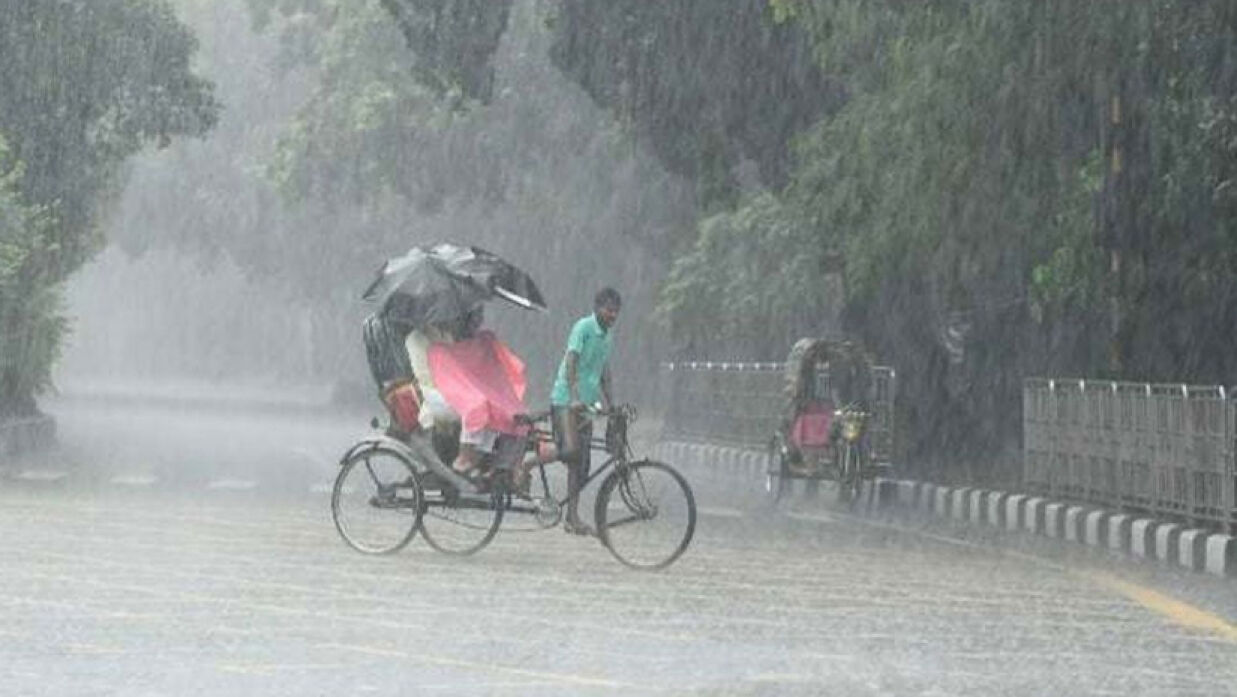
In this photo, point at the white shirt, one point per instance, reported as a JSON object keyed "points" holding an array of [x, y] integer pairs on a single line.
{"points": [[435, 408]]}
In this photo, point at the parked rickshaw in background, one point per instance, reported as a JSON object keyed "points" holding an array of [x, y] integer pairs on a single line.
{"points": [[838, 423]]}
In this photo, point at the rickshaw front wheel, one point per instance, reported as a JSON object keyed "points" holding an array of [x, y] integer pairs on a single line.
{"points": [[850, 475]]}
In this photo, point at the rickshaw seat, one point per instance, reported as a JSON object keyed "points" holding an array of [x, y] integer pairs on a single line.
{"points": [[812, 425]]}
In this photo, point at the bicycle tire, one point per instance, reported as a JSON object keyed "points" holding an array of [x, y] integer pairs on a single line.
{"points": [[629, 520], [461, 524], [850, 476], [856, 489], [776, 472], [844, 474], [376, 490]]}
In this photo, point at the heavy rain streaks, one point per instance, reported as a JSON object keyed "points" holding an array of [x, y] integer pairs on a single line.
{"points": [[1009, 219]]}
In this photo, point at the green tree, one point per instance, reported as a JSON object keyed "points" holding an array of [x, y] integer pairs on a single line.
{"points": [[706, 84], [1004, 188], [85, 85], [29, 298], [450, 43], [1017, 188]]}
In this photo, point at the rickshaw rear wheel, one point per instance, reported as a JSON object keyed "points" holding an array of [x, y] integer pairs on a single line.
{"points": [[777, 471], [461, 524]]}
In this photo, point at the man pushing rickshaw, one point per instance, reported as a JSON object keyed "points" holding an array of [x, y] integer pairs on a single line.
{"points": [[461, 453]]}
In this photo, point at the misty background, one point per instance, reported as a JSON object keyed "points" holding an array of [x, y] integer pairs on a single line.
{"points": [[213, 274], [978, 192]]}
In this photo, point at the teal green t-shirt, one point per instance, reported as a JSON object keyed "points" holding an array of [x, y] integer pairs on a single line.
{"points": [[592, 344]]}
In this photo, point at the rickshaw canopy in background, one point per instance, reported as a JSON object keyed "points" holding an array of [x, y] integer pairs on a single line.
{"points": [[847, 377]]}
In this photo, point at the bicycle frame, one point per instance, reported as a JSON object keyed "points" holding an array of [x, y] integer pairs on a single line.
{"points": [[541, 435], [418, 451]]}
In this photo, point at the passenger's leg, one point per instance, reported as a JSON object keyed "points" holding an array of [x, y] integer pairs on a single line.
{"points": [[467, 459], [473, 446]]}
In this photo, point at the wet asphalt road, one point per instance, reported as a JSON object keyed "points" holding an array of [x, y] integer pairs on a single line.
{"points": [[190, 551]]}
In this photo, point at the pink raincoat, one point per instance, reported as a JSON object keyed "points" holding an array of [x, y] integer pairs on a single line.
{"points": [[483, 381]]}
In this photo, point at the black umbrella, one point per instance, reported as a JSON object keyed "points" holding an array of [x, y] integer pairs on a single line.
{"points": [[440, 285]]}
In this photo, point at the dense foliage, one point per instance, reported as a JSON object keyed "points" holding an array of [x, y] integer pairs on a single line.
{"points": [[30, 330], [84, 86], [1013, 188], [981, 190], [707, 85], [451, 43], [995, 188]]}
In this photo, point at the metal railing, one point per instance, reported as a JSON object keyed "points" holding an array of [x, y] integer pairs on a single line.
{"points": [[743, 404], [1165, 449]]}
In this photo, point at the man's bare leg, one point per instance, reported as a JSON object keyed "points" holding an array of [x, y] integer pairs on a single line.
{"points": [[573, 494], [575, 481]]}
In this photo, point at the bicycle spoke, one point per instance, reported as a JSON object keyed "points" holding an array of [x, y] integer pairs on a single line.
{"points": [[611, 524], [461, 524], [645, 514], [367, 506]]}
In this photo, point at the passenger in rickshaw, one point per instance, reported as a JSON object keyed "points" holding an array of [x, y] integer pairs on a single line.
{"points": [[455, 382], [473, 382], [811, 414], [815, 402]]}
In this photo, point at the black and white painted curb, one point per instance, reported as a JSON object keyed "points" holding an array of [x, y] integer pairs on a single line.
{"points": [[1168, 543]]}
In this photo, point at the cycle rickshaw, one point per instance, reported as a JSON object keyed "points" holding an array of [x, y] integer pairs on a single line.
{"points": [[837, 424], [394, 482], [390, 485]]}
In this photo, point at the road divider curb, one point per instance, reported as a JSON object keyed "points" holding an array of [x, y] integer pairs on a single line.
{"points": [[1166, 542], [1191, 548], [1015, 507], [1166, 537], [996, 508], [1033, 515], [1095, 528], [1075, 516], [1221, 555], [1119, 532], [1054, 519], [1142, 538]]}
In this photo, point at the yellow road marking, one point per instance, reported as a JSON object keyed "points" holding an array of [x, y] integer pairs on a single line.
{"points": [[1181, 613], [475, 665]]}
